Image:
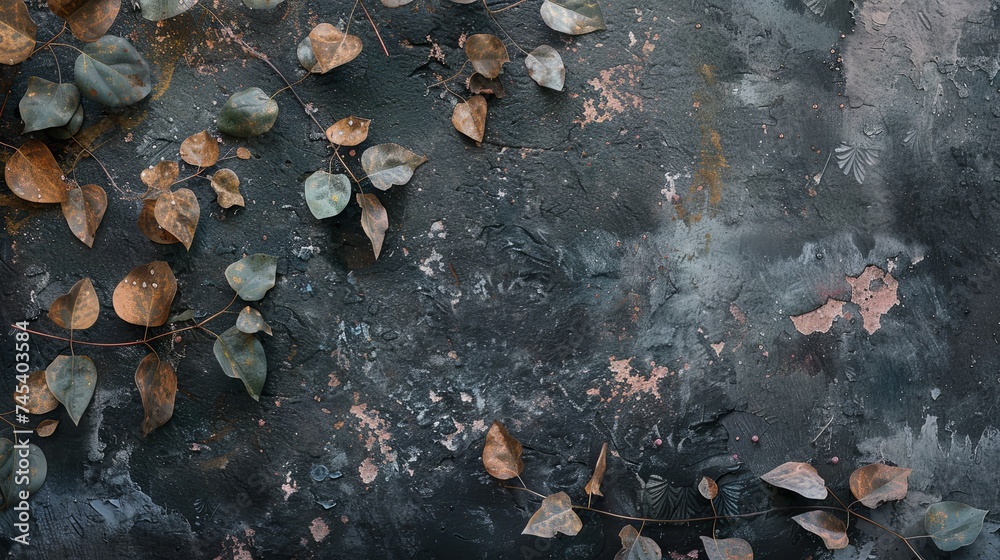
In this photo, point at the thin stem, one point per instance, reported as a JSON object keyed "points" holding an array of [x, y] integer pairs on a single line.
{"points": [[374, 27], [522, 488], [842, 504], [49, 42], [716, 515], [446, 80], [67, 46], [336, 152], [56, 59], [105, 169], [891, 532], [504, 9], [491, 12], [304, 78], [198, 174]]}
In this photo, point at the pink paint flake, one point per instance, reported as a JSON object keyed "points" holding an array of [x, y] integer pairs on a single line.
{"points": [[319, 529], [874, 291], [820, 319], [368, 471]]}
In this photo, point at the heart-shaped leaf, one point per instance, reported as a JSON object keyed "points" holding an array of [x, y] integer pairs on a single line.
{"points": [[84, 209], [708, 488], [252, 276], [247, 113], [331, 48], [573, 17], [374, 220], [67, 130], [46, 428], [14, 482], [242, 356], [89, 20], [251, 321], [78, 309], [469, 117], [873, 485], [243, 153], [349, 131], [390, 164], [555, 516], [262, 4], [33, 174], [502, 453], [800, 478], [327, 194], [637, 547], [545, 66], [17, 32], [47, 104], [953, 525], [487, 53], [149, 227], [479, 84], [158, 10], [594, 484], [111, 72], [727, 549], [144, 296], [40, 398], [824, 525], [200, 149], [226, 184], [157, 385], [159, 178], [72, 380], [178, 212]]}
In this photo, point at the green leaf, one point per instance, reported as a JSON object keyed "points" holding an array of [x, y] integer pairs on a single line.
{"points": [[252, 276], [251, 321], [12, 482], [545, 66], [262, 4], [390, 164], [573, 17], [157, 10], [242, 356], [111, 72], [72, 380], [69, 129], [327, 194], [247, 113], [953, 525], [47, 104], [304, 52]]}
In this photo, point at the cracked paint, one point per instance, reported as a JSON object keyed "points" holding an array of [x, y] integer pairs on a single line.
{"points": [[874, 291]]}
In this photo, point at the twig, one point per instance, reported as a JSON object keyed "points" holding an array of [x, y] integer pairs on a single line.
{"points": [[823, 430], [374, 28]]}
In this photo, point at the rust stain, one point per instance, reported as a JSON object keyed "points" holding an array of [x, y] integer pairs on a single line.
{"points": [[705, 192]]}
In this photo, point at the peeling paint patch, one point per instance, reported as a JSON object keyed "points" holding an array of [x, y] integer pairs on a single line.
{"points": [[718, 346], [427, 265], [819, 320], [630, 383], [450, 442], [368, 471], [319, 529], [290, 486], [374, 432], [613, 87], [874, 291]]}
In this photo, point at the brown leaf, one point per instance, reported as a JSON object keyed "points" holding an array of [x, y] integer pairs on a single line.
{"points": [[823, 524], [178, 212], [40, 398], [17, 32], [242, 153], [89, 20], [374, 220], [144, 296], [226, 184], [159, 178], [349, 131], [157, 385], [502, 453], [636, 547], [332, 48], [84, 209], [46, 428], [727, 549], [200, 149], [479, 84], [487, 53], [148, 226], [594, 486], [800, 478], [78, 309], [708, 488], [873, 485], [33, 174], [469, 118], [555, 516]]}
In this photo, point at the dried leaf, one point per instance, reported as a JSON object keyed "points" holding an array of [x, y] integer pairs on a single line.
{"points": [[331, 48], [708, 488], [144, 296], [469, 117], [349, 131], [545, 66], [159, 178], [262, 4], [242, 153], [78, 309], [249, 112], [374, 220], [33, 174], [158, 10], [46, 428], [201, 149], [186, 315], [252, 276], [89, 20], [111, 72], [178, 212], [251, 321], [17, 32], [800, 478], [226, 184], [636, 547], [395, 3], [242, 356], [149, 227], [953, 525], [390, 164], [487, 53], [40, 398], [72, 380], [827, 527], [157, 385], [479, 84], [84, 209], [594, 485], [327, 194], [502, 453], [873, 485], [555, 516], [727, 549], [47, 104], [573, 17]]}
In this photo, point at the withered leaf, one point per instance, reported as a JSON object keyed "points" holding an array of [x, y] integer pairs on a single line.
{"points": [[374, 220], [479, 84], [242, 153], [555, 516], [800, 478], [637, 547], [157, 384], [487, 53], [824, 525], [390, 164], [727, 549], [72, 380], [594, 485], [241, 356], [873, 485], [708, 488], [200, 149], [252, 276], [251, 321], [78, 309], [33, 174], [150, 228], [88, 20], [545, 66], [573, 17], [178, 212], [144, 296], [112, 72], [40, 398], [84, 209], [47, 104], [158, 10], [331, 48], [159, 178], [226, 184], [46, 428], [349, 131], [17, 32], [249, 112], [469, 117], [502, 453]]}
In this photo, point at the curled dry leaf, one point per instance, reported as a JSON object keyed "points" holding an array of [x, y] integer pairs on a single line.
{"points": [[200, 149], [46, 428], [331, 48], [727, 549], [374, 220], [72, 380], [47, 104], [178, 212], [84, 209], [144, 296], [150, 228], [242, 357], [555, 516], [952, 525], [502, 453], [88, 20], [250, 321], [469, 117], [545, 66], [158, 10], [487, 53], [159, 178], [573, 17], [242, 153], [112, 72], [246, 113], [349, 131], [824, 525], [708, 488], [78, 309], [327, 194], [40, 398], [594, 485], [33, 174], [252, 276], [800, 478], [226, 184], [479, 84], [157, 384], [17, 32], [390, 164], [873, 485], [637, 547]]}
